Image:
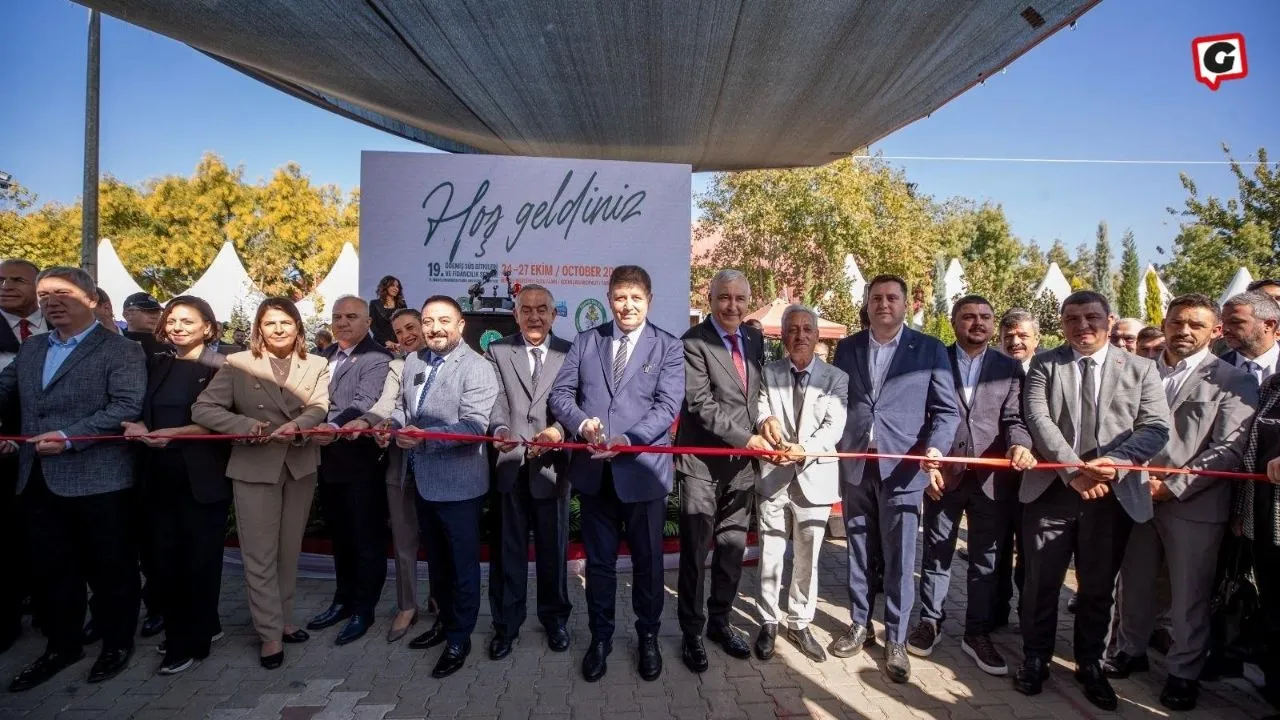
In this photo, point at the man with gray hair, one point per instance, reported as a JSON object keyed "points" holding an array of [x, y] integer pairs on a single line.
{"points": [[802, 405], [723, 361], [1124, 334], [1250, 322], [78, 380]]}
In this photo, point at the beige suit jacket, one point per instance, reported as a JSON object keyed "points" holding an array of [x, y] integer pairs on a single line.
{"points": [[245, 392]]}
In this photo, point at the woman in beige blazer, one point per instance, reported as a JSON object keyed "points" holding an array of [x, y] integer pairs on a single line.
{"points": [[270, 391]]}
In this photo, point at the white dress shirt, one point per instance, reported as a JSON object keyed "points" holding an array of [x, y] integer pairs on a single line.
{"points": [[878, 358], [616, 342], [1099, 362], [1172, 378], [37, 326], [970, 368], [742, 340], [528, 351], [1266, 363]]}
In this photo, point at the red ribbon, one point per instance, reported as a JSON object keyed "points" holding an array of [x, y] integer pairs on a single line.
{"points": [[995, 463]]}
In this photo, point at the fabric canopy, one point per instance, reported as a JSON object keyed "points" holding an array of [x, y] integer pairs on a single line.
{"points": [[717, 84], [770, 317]]}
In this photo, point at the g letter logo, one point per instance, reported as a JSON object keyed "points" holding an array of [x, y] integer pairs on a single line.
{"points": [[1218, 58]]}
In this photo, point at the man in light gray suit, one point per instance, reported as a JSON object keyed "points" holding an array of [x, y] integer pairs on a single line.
{"points": [[801, 406], [448, 387], [1210, 402], [531, 482], [1091, 405], [77, 380]]}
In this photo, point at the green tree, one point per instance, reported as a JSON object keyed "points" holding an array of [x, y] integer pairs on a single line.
{"points": [[1127, 302], [1101, 279], [1154, 306], [1082, 267]]}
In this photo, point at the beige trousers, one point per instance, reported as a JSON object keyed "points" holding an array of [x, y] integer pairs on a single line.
{"points": [[270, 520]]}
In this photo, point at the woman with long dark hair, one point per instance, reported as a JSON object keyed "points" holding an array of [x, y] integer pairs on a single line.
{"points": [[390, 297], [184, 484], [272, 391]]}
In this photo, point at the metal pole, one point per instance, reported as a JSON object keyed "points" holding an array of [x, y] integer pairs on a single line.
{"points": [[89, 202]]}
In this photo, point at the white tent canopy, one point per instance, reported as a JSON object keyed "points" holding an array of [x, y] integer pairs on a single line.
{"points": [[226, 285], [1054, 282], [852, 273], [343, 279], [1166, 296], [953, 282], [113, 277], [1239, 283]]}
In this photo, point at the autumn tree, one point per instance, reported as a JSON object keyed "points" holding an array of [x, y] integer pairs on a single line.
{"points": [[1154, 305], [1101, 280], [1127, 299]]}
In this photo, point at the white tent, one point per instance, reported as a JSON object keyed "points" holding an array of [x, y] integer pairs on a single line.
{"points": [[226, 284], [953, 282], [343, 279], [113, 277], [1238, 284], [1054, 282], [1166, 296], [852, 273]]}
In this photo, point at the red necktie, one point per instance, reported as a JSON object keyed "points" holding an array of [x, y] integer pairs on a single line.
{"points": [[24, 329], [737, 358]]}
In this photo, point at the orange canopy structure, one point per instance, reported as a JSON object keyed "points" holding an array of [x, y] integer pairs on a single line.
{"points": [[770, 316]]}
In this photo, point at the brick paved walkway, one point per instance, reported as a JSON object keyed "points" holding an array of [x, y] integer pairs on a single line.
{"points": [[371, 680]]}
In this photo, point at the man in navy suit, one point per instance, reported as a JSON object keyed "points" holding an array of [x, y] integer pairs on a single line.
{"points": [[989, 387], [352, 473], [902, 401], [622, 384]]}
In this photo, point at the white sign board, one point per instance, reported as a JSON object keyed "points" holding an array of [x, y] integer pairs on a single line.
{"points": [[441, 223]]}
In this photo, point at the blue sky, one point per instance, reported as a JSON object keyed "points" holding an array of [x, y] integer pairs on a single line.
{"points": [[1118, 86]]}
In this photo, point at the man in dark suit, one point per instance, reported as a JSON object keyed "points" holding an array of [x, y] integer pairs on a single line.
{"points": [[1088, 403], [722, 376], [141, 316], [531, 482], [78, 380], [22, 320], [1250, 325], [352, 473], [622, 384], [1211, 403], [902, 401], [989, 387]]}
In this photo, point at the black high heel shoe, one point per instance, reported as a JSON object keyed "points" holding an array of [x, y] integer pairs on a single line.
{"points": [[295, 637], [272, 662]]}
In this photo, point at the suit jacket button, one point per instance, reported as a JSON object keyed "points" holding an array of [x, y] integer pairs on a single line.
{"points": [[257, 386], [529, 419], [259, 407]]}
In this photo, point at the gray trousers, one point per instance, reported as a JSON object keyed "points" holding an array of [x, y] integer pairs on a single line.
{"points": [[1190, 551]]}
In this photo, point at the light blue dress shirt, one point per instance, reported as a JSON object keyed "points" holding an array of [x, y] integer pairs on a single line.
{"points": [[60, 350]]}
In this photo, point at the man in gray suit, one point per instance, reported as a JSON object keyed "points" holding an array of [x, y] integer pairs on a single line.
{"points": [[1094, 406], [80, 379], [448, 387], [531, 482], [801, 405], [1210, 402]]}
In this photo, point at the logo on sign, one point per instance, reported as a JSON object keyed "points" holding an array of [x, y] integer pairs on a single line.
{"points": [[1218, 58], [487, 337], [590, 313]]}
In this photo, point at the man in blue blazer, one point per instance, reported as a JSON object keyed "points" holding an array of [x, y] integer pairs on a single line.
{"points": [[902, 401], [622, 384]]}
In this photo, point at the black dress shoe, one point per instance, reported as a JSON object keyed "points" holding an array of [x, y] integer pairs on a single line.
{"points": [[355, 629], [451, 660], [296, 637], [152, 625], [43, 669], [593, 664], [807, 643], [558, 639], [765, 640], [1097, 689], [731, 639], [1121, 665], [272, 662], [1180, 695], [500, 646], [336, 613], [430, 638], [1031, 674], [850, 643], [90, 634], [109, 664], [651, 657], [693, 653], [897, 666]]}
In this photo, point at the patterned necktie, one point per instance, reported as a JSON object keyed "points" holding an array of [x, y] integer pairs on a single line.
{"points": [[620, 360], [436, 362], [1087, 445], [1253, 369], [738, 364], [24, 329], [799, 378], [537, 365]]}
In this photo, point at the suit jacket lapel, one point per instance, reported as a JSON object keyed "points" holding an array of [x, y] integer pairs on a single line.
{"points": [[158, 372], [82, 348], [639, 356], [1069, 387], [604, 346], [954, 355], [1189, 385], [267, 378], [862, 356], [550, 368], [779, 383], [1115, 363], [520, 361], [812, 391], [718, 351], [906, 348]]}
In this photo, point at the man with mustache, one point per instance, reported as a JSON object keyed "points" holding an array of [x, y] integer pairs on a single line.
{"points": [[1210, 401]]}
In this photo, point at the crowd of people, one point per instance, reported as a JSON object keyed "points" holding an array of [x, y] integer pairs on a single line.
{"points": [[407, 432]]}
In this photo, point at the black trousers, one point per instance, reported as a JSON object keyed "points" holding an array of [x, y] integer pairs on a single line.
{"points": [[451, 534], [13, 554], [986, 521], [519, 512], [186, 578], [606, 520], [75, 540], [712, 512], [356, 515], [1057, 525], [152, 597], [1010, 566], [1266, 568]]}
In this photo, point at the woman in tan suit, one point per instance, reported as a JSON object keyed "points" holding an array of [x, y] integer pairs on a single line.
{"points": [[270, 391]]}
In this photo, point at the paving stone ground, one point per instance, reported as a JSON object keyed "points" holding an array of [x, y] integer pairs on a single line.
{"points": [[372, 680]]}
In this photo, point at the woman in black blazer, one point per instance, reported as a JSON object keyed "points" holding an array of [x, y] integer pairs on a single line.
{"points": [[184, 483]]}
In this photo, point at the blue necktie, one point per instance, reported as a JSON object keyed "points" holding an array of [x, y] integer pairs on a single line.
{"points": [[436, 362]]}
